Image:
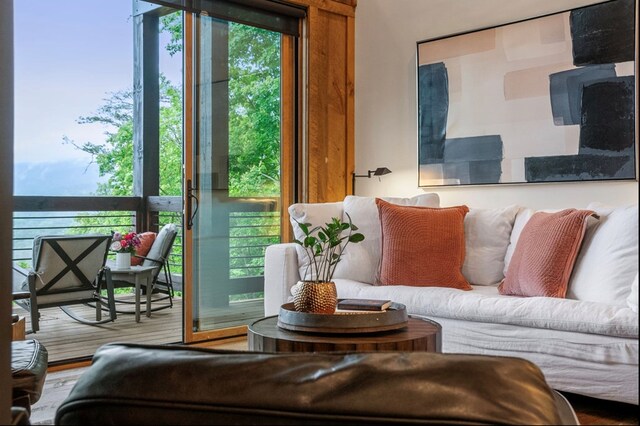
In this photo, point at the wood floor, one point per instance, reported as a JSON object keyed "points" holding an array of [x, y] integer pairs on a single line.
{"points": [[590, 411]]}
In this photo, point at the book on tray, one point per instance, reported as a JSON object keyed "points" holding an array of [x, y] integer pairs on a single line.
{"points": [[364, 304]]}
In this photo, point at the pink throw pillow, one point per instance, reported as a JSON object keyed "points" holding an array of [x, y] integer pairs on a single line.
{"points": [[545, 254], [146, 241]]}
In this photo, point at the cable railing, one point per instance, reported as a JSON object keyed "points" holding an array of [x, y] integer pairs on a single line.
{"points": [[250, 233]]}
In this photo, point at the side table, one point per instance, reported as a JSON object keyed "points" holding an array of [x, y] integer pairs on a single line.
{"points": [[264, 335], [139, 274]]}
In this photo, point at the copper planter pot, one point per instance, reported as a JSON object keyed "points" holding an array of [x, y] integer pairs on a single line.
{"points": [[316, 297]]}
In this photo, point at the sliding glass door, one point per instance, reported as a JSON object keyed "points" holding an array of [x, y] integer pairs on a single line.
{"points": [[234, 170]]}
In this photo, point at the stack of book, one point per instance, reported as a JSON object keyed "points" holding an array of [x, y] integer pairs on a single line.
{"points": [[362, 306]]}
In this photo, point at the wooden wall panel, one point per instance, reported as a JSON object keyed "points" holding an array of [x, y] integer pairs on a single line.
{"points": [[330, 105]]}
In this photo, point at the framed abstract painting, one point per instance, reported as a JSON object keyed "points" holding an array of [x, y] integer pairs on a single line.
{"points": [[548, 99]]}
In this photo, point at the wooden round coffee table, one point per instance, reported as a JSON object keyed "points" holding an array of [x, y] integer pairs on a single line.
{"points": [[420, 335]]}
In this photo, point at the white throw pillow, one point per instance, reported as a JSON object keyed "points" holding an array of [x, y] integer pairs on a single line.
{"points": [[360, 262], [632, 300], [608, 260], [316, 214], [487, 234]]}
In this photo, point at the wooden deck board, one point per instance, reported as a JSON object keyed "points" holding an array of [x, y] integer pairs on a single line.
{"points": [[67, 339]]}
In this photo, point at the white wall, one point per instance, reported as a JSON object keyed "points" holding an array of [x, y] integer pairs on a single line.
{"points": [[386, 129]]}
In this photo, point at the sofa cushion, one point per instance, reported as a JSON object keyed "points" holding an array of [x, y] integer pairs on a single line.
{"points": [[422, 246], [632, 300], [485, 304], [608, 260], [545, 254], [487, 233], [361, 261], [316, 214]]}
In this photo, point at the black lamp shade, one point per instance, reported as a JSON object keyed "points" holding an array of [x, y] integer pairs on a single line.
{"points": [[381, 171]]}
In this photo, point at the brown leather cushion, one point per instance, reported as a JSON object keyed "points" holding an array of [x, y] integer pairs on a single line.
{"points": [[140, 384], [422, 246]]}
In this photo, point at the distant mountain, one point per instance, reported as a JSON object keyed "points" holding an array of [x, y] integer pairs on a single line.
{"points": [[70, 178]]}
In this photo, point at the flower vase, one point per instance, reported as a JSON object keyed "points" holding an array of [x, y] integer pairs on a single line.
{"points": [[316, 297], [123, 260]]}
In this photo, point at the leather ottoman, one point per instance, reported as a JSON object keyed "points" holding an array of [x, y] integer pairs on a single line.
{"points": [[28, 371], [141, 384]]}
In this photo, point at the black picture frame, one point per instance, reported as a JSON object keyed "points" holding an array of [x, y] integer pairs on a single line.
{"points": [[547, 99]]}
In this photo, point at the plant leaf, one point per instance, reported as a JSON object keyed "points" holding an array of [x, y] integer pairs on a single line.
{"points": [[356, 238]]}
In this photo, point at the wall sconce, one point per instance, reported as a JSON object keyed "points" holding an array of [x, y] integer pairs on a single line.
{"points": [[377, 172]]}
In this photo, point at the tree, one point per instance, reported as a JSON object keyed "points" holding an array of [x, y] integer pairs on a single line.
{"points": [[115, 155]]}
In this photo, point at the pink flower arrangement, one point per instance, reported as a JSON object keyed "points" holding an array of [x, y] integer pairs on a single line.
{"points": [[126, 243]]}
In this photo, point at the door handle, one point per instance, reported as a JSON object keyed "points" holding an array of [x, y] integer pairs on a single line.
{"points": [[191, 212]]}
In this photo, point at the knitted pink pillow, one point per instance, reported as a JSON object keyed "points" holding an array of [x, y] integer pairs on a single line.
{"points": [[545, 254]]}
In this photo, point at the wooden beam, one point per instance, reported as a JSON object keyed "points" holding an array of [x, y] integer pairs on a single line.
{"points": [[164, 204], [26, 203], [144, 7], [6, 189], [146, 112], [340, 7]]}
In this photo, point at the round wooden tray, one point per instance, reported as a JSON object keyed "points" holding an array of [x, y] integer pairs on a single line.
{"points": [[394, 318]]}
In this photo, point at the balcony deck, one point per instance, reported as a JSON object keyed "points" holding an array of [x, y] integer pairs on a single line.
{"points": [[67, 339]]}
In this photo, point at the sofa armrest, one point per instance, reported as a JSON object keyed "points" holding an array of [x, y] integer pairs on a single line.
{"points": [[280, 274]]}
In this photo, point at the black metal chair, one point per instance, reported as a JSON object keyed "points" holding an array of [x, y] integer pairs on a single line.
{"points": [[157, 257], [66, 271]]}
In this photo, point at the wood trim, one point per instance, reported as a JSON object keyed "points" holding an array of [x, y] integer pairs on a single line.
{"points": [[340, 7], [189, 128], [288, 133], [199, 336], [350, 93], [68, 366]]}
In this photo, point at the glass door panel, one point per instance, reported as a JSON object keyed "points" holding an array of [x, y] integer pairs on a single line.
{"points": [[234, 171]]}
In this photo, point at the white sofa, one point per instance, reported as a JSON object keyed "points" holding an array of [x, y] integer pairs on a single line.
{"points": [[586, 343]]}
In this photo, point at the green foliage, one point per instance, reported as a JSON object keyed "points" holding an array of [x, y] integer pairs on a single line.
{"points": [[324, 246], [254, 112]]}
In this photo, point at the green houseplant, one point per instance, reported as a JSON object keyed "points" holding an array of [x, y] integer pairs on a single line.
{"points": [[323, 246]]}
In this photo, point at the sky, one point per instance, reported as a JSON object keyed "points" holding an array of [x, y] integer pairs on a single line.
{"points": [[69, 55]]}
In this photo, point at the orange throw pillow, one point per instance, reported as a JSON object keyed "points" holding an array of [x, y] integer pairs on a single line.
{"points": [[146, 241], [545, 254], [422, 246]]}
